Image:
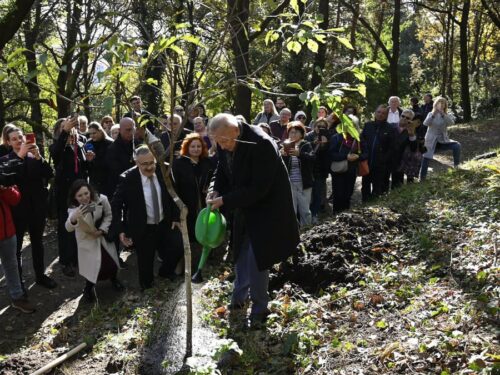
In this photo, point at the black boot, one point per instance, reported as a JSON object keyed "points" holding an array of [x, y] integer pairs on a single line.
{"points": [[89, 292]]}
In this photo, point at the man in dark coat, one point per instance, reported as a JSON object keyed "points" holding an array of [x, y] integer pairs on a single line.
{"points": [[119, 155], [379, 137], [140, 115], [252, 184], [145, 216]]}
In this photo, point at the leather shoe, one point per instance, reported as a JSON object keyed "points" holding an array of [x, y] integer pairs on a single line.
{"points": [[88, 295], [46, 282]]}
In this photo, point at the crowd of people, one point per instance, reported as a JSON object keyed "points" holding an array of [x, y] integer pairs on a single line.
{"points": [[111, 195]]}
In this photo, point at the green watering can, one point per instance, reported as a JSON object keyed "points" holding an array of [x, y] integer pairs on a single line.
{"points": [[210, 230]]}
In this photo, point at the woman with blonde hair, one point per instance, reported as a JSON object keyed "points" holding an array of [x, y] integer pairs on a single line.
{"points": [[268, 114], [437, 138], [5, 148]]}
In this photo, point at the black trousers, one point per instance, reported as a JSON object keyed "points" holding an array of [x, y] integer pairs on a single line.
{"points": [[343, 187], [164, 240], [66, 241], [34, 224], [397, 179], [375, 184]]}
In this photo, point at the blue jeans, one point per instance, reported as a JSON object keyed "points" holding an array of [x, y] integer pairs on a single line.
{"points": [[454, 146], [249, 280], [9, 263]]}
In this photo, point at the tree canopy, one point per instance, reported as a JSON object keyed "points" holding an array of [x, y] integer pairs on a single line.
{"points": [[93, 55]]}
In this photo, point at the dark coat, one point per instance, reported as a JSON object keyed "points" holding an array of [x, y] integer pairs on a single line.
{"points": [[98, 167], [306, 162], [119, 158], [64, 162], [165, 138], [129, 208], [379, 138], [191, 183], [321, 166], [278, 131], [255, 187], [146, 118], [338, 151], [31, 179]]}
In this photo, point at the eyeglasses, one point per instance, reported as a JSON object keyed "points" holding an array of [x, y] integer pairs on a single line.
{"points": [[406, 117], [299, 117]]}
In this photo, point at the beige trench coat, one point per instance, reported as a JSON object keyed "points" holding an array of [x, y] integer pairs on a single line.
{"points": [[89, 246]]}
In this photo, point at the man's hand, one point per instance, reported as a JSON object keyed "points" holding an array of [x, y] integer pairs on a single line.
{"points": [[215, 203], [127, 242], [212, 195], [176, 224], [294, 152], [352, 157]]}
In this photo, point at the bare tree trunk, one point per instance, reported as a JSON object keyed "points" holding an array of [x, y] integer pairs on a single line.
{"points": [[354, 26], [379, 26], [394, 61], [31, 30], [446, 55], [11, 22], [238, 13], [451, 57], [478, 33], [464, 62], [319, 58]]}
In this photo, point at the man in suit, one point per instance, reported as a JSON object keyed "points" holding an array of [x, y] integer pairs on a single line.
{"points": [[145, 216], [251, 184]]}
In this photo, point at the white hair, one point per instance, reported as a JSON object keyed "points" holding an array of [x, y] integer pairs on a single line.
{"points": [[222, 120], [394, 98]]}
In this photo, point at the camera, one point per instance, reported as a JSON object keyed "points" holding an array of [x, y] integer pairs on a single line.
{"points": [[8, 171]]}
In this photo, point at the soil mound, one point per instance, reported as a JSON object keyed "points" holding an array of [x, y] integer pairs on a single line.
{"points": [[336, 250]]}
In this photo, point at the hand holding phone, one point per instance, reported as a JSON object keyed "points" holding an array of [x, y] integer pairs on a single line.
{"points": [[30, 138]]}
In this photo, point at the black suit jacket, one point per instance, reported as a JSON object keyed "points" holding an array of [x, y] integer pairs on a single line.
{"points": [[129, 207]]}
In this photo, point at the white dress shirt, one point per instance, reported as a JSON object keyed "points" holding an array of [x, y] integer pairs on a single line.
{"points": [[393, 117], [146, 188]]}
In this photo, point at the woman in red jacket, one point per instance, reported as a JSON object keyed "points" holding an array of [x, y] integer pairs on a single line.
{"points": [[10, 196]]}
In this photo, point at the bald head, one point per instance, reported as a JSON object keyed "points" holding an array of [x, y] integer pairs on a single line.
{"points": [[127, 129], [225, 130]]}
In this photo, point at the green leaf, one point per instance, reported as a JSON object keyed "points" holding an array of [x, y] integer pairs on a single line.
{"points": [[271, 36], [3, 75], [183, 25], [152, 81], [336, 30], [345, 42], [176, 49], [107, 103], [43, 58], [192, 39], [320, 38], [294, 46], [381, 324], [151, 49], [359, 74], [295, 6], [295, 85], [362, 90], [312, 45], [375, 65]]}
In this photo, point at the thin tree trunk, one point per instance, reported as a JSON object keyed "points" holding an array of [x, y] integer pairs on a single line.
{"points": [[319, 58], [379, 26], [238, 13], [354, 26], [31, 30], [464, 62], [446, 55], [394, 61]]}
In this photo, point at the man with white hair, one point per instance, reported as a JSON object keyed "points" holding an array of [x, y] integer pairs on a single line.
{"points": [[251, 185]]}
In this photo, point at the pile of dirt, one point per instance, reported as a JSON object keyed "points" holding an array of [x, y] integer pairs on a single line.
{"points": [[336, 250]]}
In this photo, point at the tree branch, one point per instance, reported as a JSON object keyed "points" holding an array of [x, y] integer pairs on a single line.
{"points": [[12, 21], [268, 20], [494, 17]]}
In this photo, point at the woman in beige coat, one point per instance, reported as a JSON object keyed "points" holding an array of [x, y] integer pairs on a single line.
{"points": [[89, 216]]}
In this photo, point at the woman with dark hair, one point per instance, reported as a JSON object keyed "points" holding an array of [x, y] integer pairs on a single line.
{"points": [[192, 173], [95, 153], [31, 213], [202, 112], [299, 156], [107, 123], [70, 164], [89, 216]]}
